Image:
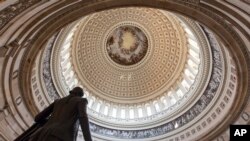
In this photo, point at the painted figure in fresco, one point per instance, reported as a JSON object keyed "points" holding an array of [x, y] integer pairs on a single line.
{"points": [[64, 116]]}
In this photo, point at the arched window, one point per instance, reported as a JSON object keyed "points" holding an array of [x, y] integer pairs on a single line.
{"points": [[157, 107], [131, 113], [114, 112], [123, 113], [98, 107], [105, 110], [149, 112], [140, 112]]}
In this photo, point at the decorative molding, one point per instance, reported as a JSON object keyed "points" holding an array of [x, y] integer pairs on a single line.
{"points": [[10, 12], [3, 51], [47, 77]]}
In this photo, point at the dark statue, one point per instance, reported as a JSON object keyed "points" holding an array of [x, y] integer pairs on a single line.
{"points": [[64, 116]]}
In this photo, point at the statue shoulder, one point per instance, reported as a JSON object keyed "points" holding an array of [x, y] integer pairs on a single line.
{"points": [[79, 99], [84, 100]]}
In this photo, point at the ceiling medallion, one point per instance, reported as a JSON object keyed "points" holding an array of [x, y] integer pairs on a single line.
{"points": [[127, 45]]}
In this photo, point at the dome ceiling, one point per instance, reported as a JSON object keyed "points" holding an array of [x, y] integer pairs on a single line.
{"points": [[129, 55]]}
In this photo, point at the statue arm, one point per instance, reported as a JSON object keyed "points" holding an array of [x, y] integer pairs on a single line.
{"points": [[83, 118], [41, 117]]}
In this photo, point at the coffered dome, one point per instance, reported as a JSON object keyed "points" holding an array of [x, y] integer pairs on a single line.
{"points": [[112, 74]]}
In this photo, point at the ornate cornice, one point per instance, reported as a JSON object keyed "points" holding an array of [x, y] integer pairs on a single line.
{"points": [[12, 11]]}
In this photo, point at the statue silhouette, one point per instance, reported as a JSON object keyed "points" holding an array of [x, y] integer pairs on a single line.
{"points": [[63, 122]]}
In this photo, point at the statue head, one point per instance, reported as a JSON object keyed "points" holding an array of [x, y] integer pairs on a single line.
{"points": [[77, 91]]}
